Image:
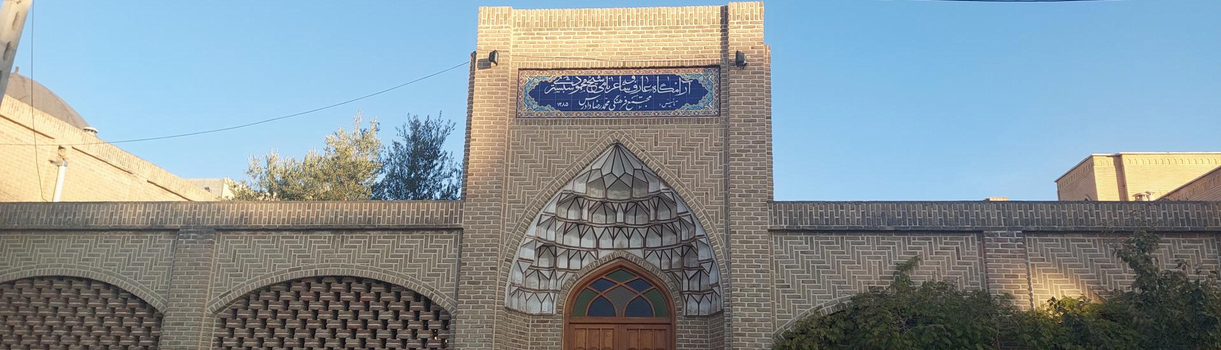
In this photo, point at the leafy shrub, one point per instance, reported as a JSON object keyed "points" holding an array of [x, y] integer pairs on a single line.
{"points": [[1177, 309], [905, 315]]}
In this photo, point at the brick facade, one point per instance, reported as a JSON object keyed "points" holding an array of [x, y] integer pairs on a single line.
{"points": [[1207, 187], [437, 274], [514, 165], [1141, 176]]}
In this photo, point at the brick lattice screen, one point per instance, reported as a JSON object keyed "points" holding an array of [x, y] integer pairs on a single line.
{"points": [[332, 313], [74, 313]]}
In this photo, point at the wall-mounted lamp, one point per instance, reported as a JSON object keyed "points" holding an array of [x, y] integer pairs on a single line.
{"points": [[494, 57], [739, 59]]}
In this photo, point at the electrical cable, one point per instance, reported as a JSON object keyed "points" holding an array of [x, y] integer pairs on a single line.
{"points": [[298, 114], [369, 95], [34, 129], [1019, 0]]}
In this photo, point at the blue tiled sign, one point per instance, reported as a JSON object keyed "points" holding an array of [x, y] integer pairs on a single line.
{"points": [[680, 92]]}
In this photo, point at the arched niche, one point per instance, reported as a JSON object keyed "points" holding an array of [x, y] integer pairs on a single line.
{"points": [[615, 204]]}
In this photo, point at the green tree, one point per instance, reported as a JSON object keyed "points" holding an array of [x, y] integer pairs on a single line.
{"points": [[346, 170], [905, 315], [415, 166], [1175, 309]]}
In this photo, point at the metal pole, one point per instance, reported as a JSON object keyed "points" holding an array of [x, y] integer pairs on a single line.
{"points": [[59, 179]]}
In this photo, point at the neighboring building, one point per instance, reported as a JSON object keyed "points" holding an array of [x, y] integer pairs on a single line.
{"points": [[1207, 187], [96, 171], [618, 195], [1138, 176], [220, 187]]}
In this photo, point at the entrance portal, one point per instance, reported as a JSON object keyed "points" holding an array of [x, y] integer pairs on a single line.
{"points": [[619, 307]]}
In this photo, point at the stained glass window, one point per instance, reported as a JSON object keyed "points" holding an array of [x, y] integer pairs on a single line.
{"points": [[616, 204], [620, 293]]}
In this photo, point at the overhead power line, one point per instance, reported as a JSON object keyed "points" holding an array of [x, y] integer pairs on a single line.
{"points": [[34, 129], [1019, 0], [268, 120]]}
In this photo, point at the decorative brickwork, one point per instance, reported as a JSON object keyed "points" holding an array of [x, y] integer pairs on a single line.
{"points": [[616, 204], [816, 270], [138, 262], [332, 313], [1085, 264], [74, 313], [515, 165], [424, 261]]}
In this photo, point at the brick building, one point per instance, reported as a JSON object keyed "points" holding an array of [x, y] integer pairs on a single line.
{"points": [[618, 195], [38, 128], [1143, 176]]}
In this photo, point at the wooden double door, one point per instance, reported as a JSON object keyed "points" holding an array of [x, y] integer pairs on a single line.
{"points": [[619, 308], [619, 337]]}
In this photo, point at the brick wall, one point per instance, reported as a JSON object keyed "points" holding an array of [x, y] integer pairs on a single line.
{"points": [[818, 270], [827, 251], [188, 262], [96, 171], [191, 261]]}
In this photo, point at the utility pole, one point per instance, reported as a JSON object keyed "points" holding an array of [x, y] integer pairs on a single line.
{"points": [[12, 22]]}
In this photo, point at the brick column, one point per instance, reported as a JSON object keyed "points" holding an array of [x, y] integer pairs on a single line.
{"points": [[186, 324], [1007, 267], [749, 162], [479, 290]]}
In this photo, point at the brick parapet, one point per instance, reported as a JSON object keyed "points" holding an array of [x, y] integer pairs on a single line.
{"points": [[231, 215], [996, 216]]}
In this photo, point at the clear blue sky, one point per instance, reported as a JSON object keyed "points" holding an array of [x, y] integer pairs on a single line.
{"points": [[872, 99]]}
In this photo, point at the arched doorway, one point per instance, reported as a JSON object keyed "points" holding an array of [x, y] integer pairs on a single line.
{"points": [[619, 306]]}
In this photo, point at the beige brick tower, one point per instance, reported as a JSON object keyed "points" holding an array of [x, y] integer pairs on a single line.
{"points": [[717, 160]]}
